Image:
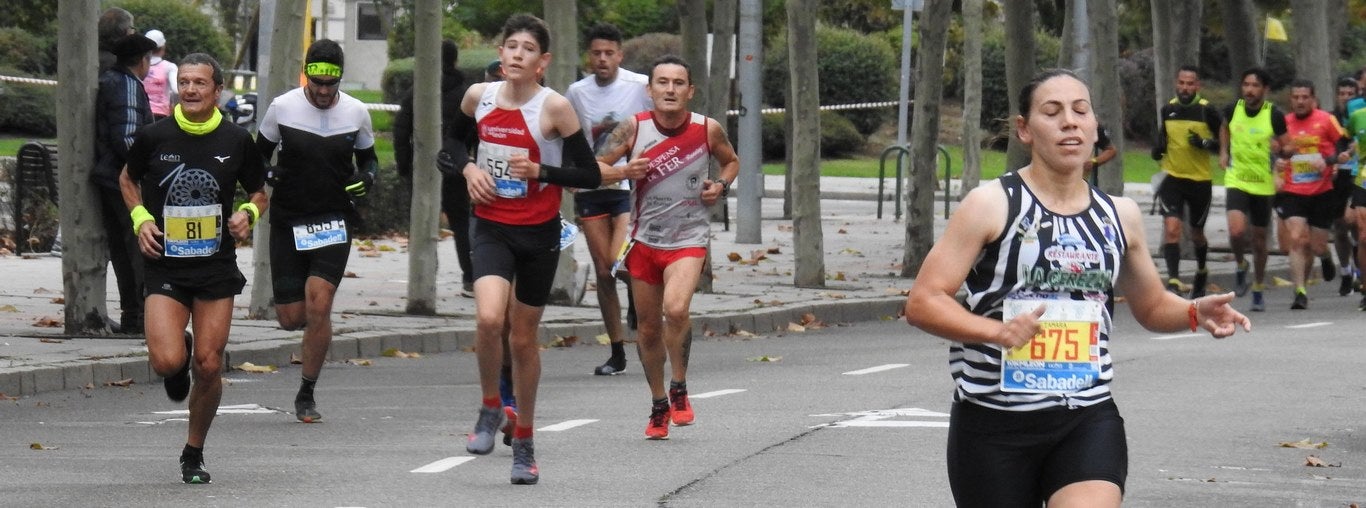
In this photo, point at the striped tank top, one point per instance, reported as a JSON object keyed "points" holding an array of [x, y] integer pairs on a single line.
{"points": [[1041, 253]]}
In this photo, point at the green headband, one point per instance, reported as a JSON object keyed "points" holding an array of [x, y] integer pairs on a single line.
{"points": [[323, 69]]}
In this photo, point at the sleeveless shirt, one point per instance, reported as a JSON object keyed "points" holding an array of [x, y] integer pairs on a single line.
{"points": [[667, 206], [507, 132]]}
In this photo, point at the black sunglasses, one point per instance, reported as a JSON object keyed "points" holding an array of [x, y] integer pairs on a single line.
{"points": [[325, 83]]}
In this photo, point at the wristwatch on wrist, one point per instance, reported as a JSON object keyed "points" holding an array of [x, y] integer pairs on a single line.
{"points": [[725, 187]]}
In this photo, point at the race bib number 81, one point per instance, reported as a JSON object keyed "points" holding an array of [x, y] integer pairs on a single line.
{"points": [[191, 231], [1064, 357], [494, 158]]}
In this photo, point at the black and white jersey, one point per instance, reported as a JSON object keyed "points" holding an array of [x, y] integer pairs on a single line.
{"points": [[188, 185], [316, 153], [1062, 261]]}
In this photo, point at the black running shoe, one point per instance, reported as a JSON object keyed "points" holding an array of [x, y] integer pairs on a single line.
{"points": [[1330, 271], [178, 385], [613, 367], [1301, 302], [192, 470], [306, 410], [1198, 287], [1362, 306], [1346, 287], [631, 317]]}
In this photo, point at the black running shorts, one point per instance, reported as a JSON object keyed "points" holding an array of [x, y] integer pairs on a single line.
{"points": [[524, 255], [1179, 196], [216, 280], [290, 267], [1019, 458], [1257, 208]]}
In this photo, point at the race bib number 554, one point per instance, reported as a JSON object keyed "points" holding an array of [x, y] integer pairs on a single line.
{"points": [[1064, 357], [494, 158]]}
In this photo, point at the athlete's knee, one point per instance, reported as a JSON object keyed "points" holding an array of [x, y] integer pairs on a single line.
{"points": [[490, 321], [166, 365], [207, 366], [677, 312]]}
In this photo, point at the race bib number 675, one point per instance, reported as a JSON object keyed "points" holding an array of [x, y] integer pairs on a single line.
{"points": [[1063, 357]]}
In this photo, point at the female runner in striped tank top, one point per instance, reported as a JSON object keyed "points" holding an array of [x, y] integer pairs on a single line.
{"points": [[1032, 419]]}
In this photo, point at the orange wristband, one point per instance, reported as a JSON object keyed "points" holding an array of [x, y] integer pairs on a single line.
{"points": [[1194, 321]]}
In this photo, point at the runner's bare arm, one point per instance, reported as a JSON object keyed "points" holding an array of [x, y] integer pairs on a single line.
{"points": [[617, 145], [724, 154], [931, 304], [147, 232]]}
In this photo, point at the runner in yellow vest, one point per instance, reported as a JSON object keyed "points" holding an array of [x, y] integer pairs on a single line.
{"points": [[1187, 127], [1255, 130]]}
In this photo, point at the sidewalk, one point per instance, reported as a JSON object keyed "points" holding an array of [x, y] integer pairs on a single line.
{"points": [[863, 257]]}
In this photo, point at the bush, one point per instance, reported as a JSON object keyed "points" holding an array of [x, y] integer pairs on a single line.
{"points": [[995, 92], [26, 52], [402, 35], [187, 29], [28, 109], [397, 80], [387, 208], [838, 136], [853, 68], [636, 17], [640, 52]]}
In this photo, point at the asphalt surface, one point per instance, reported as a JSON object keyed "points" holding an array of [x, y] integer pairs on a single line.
{"points": [[1205, 417]]}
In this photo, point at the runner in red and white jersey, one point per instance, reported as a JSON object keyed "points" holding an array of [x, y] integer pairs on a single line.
{"points": [[1305, 171]]}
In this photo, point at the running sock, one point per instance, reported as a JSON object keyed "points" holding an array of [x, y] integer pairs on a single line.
{"points": [[306, 388], [1201, 252], [1301, 291], [1172, 253], [618, 351], [678, 385], [521, 432], [494, 402], [1242, 265], [663, 401], [191, 452], [1258, 286]]}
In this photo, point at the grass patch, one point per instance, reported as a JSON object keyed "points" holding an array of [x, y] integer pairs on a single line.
{"points": [[9, 147]]}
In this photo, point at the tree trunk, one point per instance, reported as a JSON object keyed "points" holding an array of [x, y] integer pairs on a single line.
{"points": [[1106, 92], [1019, 70], [692, 25], [1186, 21], [803, 106], [1336, 11], [1163, 69], [83, 269], [423, 233], [929, 87], [1310, 40], [724, 13], [972, 97], [570, 284], [281, 76], [1242, 36], [1067, 41]]}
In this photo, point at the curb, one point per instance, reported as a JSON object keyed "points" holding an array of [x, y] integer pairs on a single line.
{"points": [[77, 374]]}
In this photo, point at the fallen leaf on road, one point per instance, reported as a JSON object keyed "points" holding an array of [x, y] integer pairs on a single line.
{"points": [[395, 353], [774, 250], [374, 303], [9, 308], [257, 369], [122, 382], [734, 257], [743, 333], [360, 362], [7, 397], [708, 333], [1313, 461], [350, 275], [51, 341], [370, 254], [850, 251], [42, 291], [88, 386], [786, 228], [48, 322], [810, 322], [1281, 283], [564, 341], [604, 339], [794, 327], [837, 276], [386, 248], [39, 446], [1305, 443], [842, 231], [295, 359], [765, 358]]}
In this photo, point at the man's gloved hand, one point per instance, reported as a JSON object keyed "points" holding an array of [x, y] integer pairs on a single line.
{"points": [[446, 164], [360, 183], [273, 174], [1157, 153], [1196, 140]]}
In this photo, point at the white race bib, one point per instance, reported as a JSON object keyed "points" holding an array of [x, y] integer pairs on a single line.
{"points": [[319, 234], [494, 158], [191, 231], [1064, 357]]}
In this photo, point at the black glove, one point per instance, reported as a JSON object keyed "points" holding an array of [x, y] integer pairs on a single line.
{"points": [[1196, 140], [446, 164], [1157, 153], [360, 183], [273, 174]]}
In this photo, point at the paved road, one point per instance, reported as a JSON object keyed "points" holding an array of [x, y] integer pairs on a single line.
{"points": [[848, 415]]}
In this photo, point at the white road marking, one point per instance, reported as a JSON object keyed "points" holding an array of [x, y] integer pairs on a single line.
{"points": [[879, 368], [442, 465], [1309, 325], [717, 393], [565, 425], [1181, 336], [240, 409], [883, 418]]}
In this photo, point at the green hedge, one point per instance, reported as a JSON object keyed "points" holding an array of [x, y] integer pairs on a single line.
{"points": [[839, 137], [29, 53], [853, 68], [27, 109], [187, 29]]}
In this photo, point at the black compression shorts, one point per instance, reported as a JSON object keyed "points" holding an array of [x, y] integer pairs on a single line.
{"points": [[216, 280], [526, 256], [290, 267], [1257, 208], [1020, 458], [1179, 196], [1317, 210]]}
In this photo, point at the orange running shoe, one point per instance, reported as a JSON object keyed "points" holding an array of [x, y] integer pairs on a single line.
{"points": [[658, 428], [510, 415], [681, 408]]}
